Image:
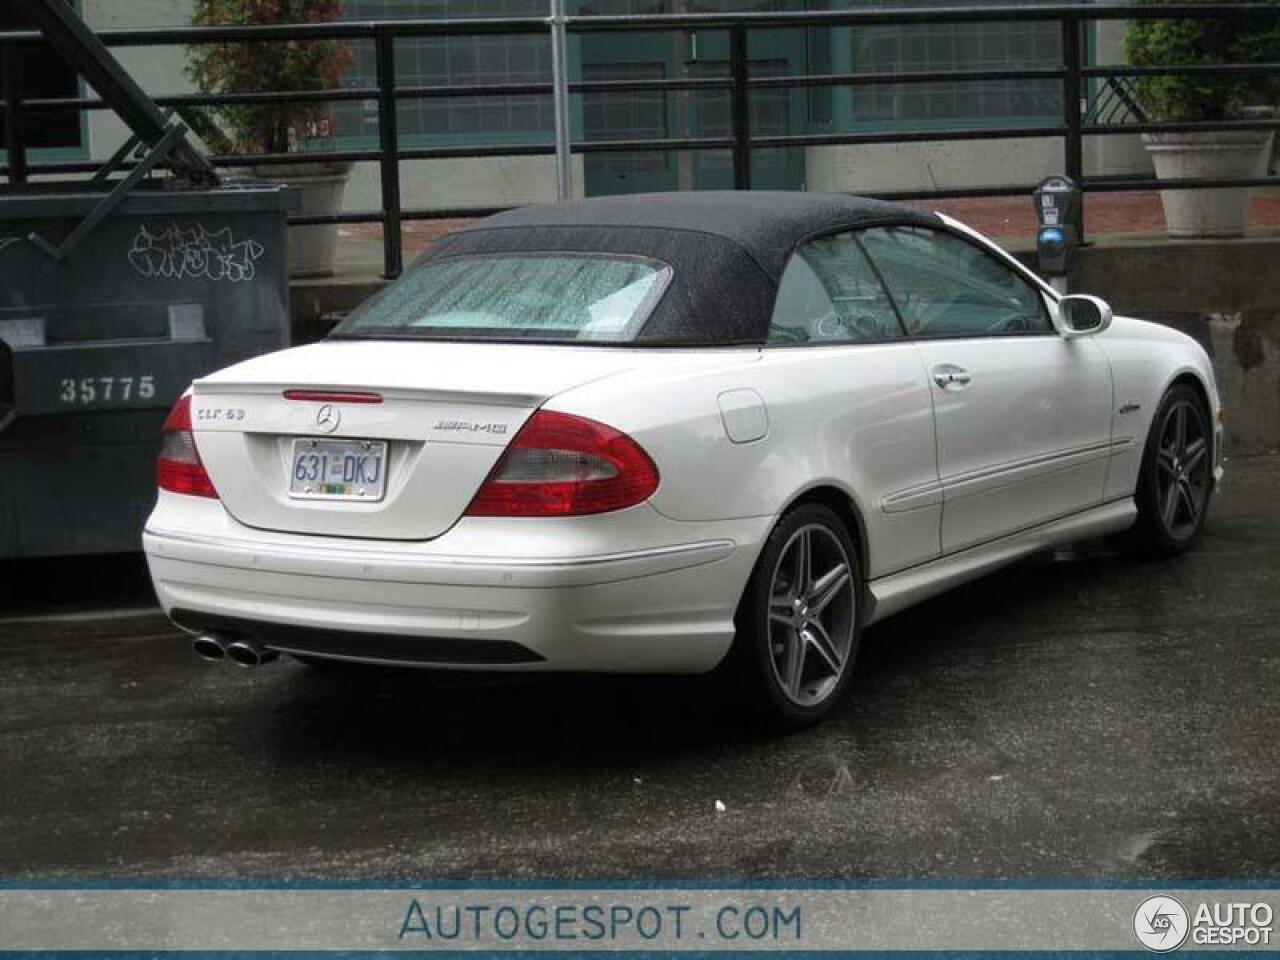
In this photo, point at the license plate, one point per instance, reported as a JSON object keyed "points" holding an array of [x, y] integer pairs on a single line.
{"points": [[338, 469]]}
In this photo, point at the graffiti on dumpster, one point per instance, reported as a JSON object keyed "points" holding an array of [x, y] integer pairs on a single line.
{"points": [[177, 253]]}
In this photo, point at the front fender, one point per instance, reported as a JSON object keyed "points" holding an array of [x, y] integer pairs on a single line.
{"points": [[1146, 359]]}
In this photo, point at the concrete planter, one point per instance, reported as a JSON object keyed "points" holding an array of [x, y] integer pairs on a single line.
{"points": [[320, 186], [1217, 155], [1266, 113]]}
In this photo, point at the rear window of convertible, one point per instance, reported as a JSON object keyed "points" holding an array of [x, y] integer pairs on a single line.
{"points": [[549, 297]]}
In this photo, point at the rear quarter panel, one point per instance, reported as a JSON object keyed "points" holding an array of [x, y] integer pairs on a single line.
{"points": [[857, 418]]}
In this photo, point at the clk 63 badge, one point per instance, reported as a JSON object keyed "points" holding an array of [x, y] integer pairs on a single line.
{"points": [[220, 414]]}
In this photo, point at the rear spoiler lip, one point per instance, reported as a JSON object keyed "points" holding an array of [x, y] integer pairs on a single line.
{"points": [[206, 387]]}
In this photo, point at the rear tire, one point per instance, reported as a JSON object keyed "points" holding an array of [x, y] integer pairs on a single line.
{"points": [[1176, 475], [799, 621]]}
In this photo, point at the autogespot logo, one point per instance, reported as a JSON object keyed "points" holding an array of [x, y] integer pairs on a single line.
{"points": [[1161, 923]]}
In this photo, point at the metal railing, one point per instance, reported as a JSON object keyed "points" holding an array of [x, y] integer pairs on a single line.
{"points": [[1071, 127]]}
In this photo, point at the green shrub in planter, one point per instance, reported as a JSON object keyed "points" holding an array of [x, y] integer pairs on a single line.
{"points": [[1206, 154], [255, 67], [274, 128], [1252, 39]]}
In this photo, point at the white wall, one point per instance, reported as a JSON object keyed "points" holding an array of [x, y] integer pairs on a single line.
{"points": [[1114, 154], [486, 182], [932, 165], [158, 70]]}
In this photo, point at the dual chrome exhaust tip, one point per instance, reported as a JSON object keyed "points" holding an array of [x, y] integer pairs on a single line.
{"points": [[242, 651]]}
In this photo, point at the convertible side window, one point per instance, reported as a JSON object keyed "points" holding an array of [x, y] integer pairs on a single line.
{"points": [[947, 287], [830, 294]]}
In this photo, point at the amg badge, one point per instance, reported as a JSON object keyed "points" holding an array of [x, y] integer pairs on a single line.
{"points": [[470, 426]]}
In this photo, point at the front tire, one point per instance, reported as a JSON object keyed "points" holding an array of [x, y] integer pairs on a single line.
{"points": [[1177, 474], [799, 621]]}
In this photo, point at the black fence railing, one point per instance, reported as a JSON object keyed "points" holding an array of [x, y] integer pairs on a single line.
{"points": [[1072, 127]]}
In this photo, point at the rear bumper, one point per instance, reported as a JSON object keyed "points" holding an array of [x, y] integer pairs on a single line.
{"points": [[491, 594]]}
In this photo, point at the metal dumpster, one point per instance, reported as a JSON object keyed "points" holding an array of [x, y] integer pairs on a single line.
{"points": [[115, 293], [95, 348]]}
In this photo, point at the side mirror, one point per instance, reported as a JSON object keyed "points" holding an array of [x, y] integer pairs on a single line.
{"points": [[1079, 315]]}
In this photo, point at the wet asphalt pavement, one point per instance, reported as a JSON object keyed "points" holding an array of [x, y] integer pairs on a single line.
{"points": [[1080, 716]]}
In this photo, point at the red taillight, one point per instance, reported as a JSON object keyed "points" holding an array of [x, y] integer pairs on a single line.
{"points": [[561, 465], [178, 468]]}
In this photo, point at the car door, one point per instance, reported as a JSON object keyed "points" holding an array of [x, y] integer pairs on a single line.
{"points": [[1023, 415], [846, 383]]}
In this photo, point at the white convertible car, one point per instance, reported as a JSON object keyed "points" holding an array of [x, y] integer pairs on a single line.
{"points": [[670, 433]]}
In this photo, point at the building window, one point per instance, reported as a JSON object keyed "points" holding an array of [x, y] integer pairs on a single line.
{"points": [[817, 44], [454, 61], [42, 73], [634, 115], [1008, 45]]}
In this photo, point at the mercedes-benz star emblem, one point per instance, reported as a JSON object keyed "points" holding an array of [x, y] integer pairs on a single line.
{"points": [[328, 417]]}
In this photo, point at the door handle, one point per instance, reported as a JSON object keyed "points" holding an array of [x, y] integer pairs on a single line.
{"points": [[950, 377]]}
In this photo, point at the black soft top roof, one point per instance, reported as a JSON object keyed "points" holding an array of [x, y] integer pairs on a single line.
{"points": [[768, 224], [727, 249]]}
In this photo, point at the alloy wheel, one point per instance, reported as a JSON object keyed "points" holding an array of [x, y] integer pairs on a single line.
{"points": [[1182, 469], [812, 609]]}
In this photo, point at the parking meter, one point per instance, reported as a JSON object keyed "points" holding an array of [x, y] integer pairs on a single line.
{"points": [[1057, 201]]}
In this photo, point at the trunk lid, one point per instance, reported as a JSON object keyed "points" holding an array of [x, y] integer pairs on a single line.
{"points": [[446, 412]]}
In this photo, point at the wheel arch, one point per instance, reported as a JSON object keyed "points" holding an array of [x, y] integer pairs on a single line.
{"points": [[1192, 379], [843, 505]]}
